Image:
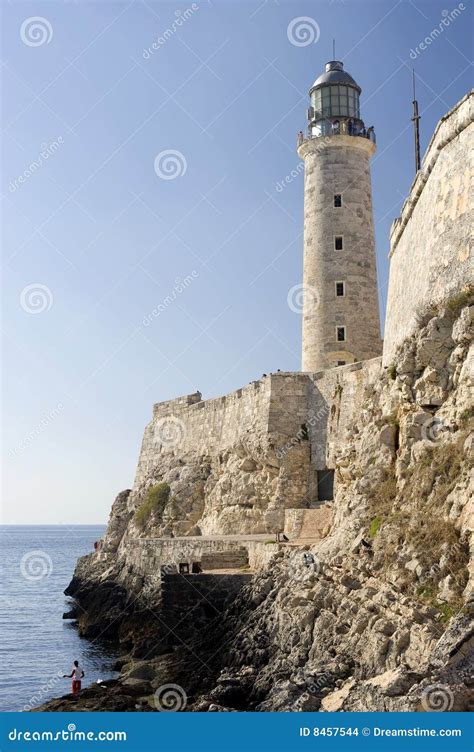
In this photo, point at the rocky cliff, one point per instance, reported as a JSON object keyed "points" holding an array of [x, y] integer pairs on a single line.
{"points": [[378, 617]]}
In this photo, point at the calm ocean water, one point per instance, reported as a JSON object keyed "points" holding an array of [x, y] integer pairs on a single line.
{"points": [[35, 643]]}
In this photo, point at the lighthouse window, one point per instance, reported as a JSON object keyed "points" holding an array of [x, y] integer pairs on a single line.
{"points": [[337, 200], [316, 102], [353, 103], [341, 333], [326, 102], [338, 243], [343, 100], [340, 289]]}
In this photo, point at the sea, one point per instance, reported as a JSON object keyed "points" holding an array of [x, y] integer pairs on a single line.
{"points": [[36, 645]]}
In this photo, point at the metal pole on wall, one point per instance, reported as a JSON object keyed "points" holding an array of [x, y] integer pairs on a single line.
{"points": [[416, 127]]}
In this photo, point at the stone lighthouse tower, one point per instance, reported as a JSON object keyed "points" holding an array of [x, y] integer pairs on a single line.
{"points": [[340, 302]]}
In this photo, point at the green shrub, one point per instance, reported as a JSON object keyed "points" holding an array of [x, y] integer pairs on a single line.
{"points": [[153, 504], [375, 526], [466, 414], [462, 299], [392, 371], [447, 611]]}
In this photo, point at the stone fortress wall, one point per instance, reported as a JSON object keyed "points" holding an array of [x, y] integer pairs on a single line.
{"points": [[275, 405], [430, 254], [291, 423]]}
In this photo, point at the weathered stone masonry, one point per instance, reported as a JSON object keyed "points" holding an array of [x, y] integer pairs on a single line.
{"points": [[431, 256], [264, 448]]}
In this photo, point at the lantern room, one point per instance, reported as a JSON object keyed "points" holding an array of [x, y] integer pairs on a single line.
{"points": [[335, 107]]}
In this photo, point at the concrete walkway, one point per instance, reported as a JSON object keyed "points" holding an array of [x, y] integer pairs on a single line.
{"points": [[190, 538]]}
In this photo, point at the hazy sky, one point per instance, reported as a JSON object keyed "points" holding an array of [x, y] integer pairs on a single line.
{"points": [[96, 236]]}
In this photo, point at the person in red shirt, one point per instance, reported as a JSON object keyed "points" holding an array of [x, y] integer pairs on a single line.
{"points": [[76, 675]]}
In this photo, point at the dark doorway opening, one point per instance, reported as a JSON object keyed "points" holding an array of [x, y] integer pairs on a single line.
{"points": [[325, 485]]}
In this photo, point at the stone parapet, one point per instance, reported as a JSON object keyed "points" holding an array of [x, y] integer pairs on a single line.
{"points": [[430, 255], [448, 128]]}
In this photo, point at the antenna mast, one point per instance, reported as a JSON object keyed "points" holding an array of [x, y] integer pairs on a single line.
{"points": [[416, 126], [333, 49]]}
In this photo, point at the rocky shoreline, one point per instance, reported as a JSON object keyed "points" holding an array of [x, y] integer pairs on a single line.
{"points": [[383, 618]]}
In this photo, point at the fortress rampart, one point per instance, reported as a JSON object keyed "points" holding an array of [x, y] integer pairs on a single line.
{"points": [[274, 405], [430, 253], [237, 464]]}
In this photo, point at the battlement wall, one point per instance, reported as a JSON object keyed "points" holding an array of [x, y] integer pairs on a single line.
{"points": [[273, 404], [430, 257]]}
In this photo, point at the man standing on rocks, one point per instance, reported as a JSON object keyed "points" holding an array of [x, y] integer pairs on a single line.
{"points": [[76, 676]]}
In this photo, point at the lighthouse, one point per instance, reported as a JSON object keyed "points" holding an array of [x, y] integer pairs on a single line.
{"points": [[340, 302]]}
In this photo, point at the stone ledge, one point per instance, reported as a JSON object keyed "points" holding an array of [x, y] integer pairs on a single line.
{"points": [[338, 141]]}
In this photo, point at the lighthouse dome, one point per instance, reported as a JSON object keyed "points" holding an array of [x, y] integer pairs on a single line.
{"points": [[335, 74]]}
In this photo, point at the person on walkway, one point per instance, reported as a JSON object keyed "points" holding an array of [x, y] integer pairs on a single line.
{"points": [[76, 675]]}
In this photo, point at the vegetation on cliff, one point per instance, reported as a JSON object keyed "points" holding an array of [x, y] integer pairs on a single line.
{"points": [[153, 505]]}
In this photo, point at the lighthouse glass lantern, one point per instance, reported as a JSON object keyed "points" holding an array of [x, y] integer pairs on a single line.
{"points": [[335, 106]]}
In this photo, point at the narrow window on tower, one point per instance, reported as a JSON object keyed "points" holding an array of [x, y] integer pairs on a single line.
{"points": [[340, 289], [337, 200], [338, 243], [341, 333]]}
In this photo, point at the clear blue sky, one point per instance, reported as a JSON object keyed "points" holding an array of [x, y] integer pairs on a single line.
{"points": [[107, 238]]}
